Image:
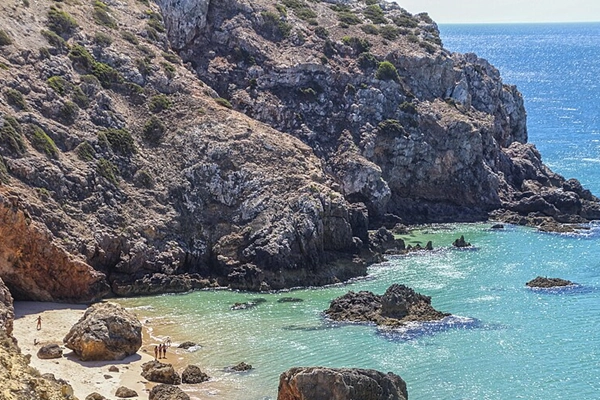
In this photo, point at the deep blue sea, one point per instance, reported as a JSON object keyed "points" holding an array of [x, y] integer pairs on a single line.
{"points": [[506, 341]]}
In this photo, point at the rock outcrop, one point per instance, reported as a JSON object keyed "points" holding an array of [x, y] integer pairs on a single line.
{"points": [[461, 242], [124, 392], [155, 371], [105, 332], [318, 383], [7, 310], [544, 282], [398, 305], [167, 392], [193, 374], [50, 351]]}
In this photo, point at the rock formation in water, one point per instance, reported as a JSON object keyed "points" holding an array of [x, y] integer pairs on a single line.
{"points": [[544, 282], [319, 383], [398, 305], [125, 167], [105, 332]]}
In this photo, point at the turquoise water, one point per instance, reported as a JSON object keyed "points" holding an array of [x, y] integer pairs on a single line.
{"points": [[506, 341]]}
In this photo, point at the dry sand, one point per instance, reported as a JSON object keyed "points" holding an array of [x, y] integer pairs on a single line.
{"points": [[85, 377]]}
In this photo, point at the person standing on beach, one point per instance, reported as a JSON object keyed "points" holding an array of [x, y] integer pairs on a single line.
{"points": [[155, 352], [39, 322], [164, 351]]}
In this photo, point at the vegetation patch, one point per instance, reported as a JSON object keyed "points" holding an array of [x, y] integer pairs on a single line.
{"points": [[5, 40], [108, 171], [169, 69], [58, 84], [130, 37], [321, 32], [107, 75], [155, 21], [367, 61], [171, 57], [349, 18], [223, 102], [42, 142], [81, 58], [359, 45], [405, 21], [389, 32], [274, 27], [101, 15], [387, 72], [375, 14], [61, 22], [154, 130], [408, 108], [85, 151], [391, 127], [370, 29], [159, 103], [79, 97], [68, 112], [11, 137], [55, 40], [4, 177], [102, 39], [16, 99], [144, 65], [120, 141]]}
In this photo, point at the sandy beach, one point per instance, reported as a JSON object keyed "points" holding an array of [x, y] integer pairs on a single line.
{"points": [[84, 377]]}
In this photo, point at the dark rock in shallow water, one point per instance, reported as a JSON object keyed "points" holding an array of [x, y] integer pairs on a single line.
{"points": [[542, 282], [498, 226], [193, 374], [186, 345], [318, 383], [461, 242], [241, 367], [289, 300], [399, 304]]}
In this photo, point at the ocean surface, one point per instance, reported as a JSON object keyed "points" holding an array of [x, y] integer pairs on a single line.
{"points": [[505, 341]]}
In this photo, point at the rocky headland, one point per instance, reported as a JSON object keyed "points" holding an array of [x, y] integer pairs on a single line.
{"points": [[397, 306], [148, 148]]}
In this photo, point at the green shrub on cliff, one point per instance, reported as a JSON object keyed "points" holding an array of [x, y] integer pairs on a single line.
{"points": [[16, 99], [85, 151], [108, 171], [274, 27], [55, 41], [42, 142], [11, 137], [375, 14], [81, 58], [387, 72], [58, 84], [359, 45], [5, 40], [120, 141], [159, 103], [348, 18], [101, 15], [154, 130], [61, 22], [223, 102]]}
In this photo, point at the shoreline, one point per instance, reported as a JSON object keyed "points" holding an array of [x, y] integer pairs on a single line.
{"points": [[57, 320]]}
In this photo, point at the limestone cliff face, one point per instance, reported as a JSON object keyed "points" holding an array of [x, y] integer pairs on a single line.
{"points": [[435, 138]]}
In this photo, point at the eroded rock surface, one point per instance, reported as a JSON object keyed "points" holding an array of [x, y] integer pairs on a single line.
{"points": [[318, 383], [155, 371], [105, 332], [398, 305], [50, 351], [167, 392], [7, 309], [193, 374]]}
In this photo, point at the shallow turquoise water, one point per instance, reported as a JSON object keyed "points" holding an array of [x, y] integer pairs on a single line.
{"points": [[507, 341]]}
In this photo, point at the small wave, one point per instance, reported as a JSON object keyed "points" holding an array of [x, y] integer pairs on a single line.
{"points": [[569, 290], [146, 307], [414, 330]]}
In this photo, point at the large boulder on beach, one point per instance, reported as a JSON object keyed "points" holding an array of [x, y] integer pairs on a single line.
{"points": [[167, 392], [155, 371], [399, 304], [193, 374], [125, 393], [543, 282], [50, 351], [106, 332], [318, 383]]}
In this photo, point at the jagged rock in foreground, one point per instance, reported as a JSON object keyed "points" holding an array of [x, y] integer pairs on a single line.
{"points": [[318, 383], [105, 332], [193, 374], [399, 304], [543, 282]]}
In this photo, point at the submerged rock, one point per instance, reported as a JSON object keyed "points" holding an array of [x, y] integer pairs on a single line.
{"points": [[290, 300], [318, 383], [186, 345], [107, 331], [399, 304], [543, 282], [241, 367]]}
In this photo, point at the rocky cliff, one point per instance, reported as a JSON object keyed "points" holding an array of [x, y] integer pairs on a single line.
{"points": [[124, 165]]}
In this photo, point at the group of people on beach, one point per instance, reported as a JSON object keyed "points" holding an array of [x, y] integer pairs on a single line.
{"points": [[160, 351]]}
